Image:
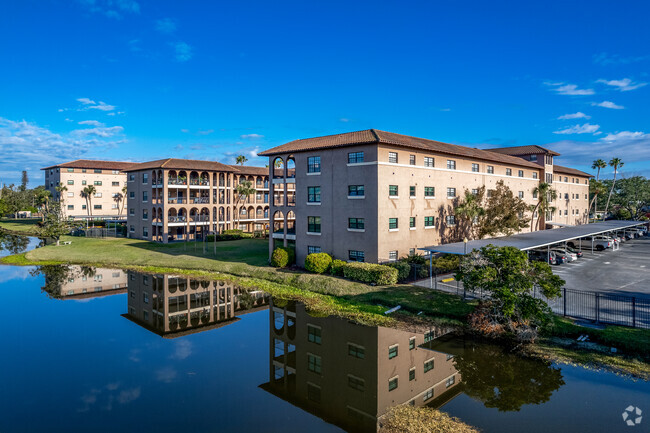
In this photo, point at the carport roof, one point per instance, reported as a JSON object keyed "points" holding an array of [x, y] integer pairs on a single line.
{"points": [[542, 238]]}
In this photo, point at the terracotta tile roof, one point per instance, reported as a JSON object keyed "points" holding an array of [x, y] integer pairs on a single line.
{"points": [[523, 150], [375, 136], [249, 169], [182, 164], [92, 164], [567, 170]]}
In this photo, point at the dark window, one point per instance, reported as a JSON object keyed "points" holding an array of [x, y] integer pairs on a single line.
{"points": [[392, 223], [490, 169], [313, 164], [313, 249], [393, 351], [533, 157], [97, 170], [356, 383], [411, 222], [411, 343], [475, 168], [356, 190], [393, 190], [356, 351], [313, 334], [115, 184], [451, 192], [355, 157], [508, 172], [313, 393], [392, 384], [521, 173], [313, 194], [428, 366], [429, 191], [313, 224], [411, 191], [412, 374], [97, 206], [429, 221], [314, 363], [392, 157], [356, 223], [429, 161], [412, 159], [98, 182], [356, 256], [451, 220], [451, 164]]}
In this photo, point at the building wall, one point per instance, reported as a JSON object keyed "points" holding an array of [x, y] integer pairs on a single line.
{"points": [[74, 204], [99, 282], [572, 199]]}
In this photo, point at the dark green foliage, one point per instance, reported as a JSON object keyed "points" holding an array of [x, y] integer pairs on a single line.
{"points": [[370, 273], [318, 263], [403, 270], [282, 257], [336, 268], [225, 237]]}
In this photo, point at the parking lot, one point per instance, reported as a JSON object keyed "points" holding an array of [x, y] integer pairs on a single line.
{"points": [[625, 271]]}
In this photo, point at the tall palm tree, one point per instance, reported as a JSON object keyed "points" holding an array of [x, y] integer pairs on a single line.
{"points": [[241, 160], [243, 190], [118, 198], [124, 190], [87, 193], [616, 163], [597, 165], [60, 189], [545, 196]]}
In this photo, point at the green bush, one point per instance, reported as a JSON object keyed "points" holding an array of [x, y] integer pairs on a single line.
{"points": [[282, 257], [403, 270], [224, 237], [233, 232], [417, 259], [318, 262], [336, 268], [370, 273]]}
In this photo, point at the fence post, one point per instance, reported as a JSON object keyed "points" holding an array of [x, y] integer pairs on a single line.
{"points": [[564, 289], [633, 312], [597, 308]]}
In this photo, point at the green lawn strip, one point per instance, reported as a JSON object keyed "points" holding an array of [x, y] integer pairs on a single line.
{"points": [[25, 227]]}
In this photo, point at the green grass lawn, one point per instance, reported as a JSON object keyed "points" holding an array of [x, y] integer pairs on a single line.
{"points": [[26, 226]]}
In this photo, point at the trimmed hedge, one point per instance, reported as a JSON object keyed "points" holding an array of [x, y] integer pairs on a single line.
{"points": [[370, 273], [403, 270], [282, 257], [336, 268], [318, 262], [224, 237]]}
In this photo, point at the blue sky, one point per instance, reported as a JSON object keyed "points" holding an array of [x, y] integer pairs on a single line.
{"points": [[140, 80]]}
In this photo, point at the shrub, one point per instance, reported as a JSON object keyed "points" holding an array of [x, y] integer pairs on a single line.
{"points": [[233, 232], [370, 273], [417, 259], [282, 257], [403, 270], [336, 268], [318, 262], [224, 237]]}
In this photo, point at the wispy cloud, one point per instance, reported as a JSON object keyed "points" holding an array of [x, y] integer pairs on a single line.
{"points": [[92, 123], [166, 25], [607, 104], [578, 115], [569, 89], [89, 104], [606, 59], [205, 132], [183, 51], [626, 136], [587, 128], [623, 85], [182, 350], [251, 136], [111, 8], [344, 120], [101, 131]]}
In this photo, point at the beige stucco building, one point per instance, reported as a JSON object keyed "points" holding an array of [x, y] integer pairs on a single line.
{"points": [[375, 196], [181, 199], [85, 282], [108, 178]]}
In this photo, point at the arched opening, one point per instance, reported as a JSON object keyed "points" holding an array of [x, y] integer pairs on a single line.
{"points": [[259, 213], [291, 223], [278, 168], [204, 179], [194, 178], [291, 167], [278, 222], [172, 177], [266, 212], [222, 179]]}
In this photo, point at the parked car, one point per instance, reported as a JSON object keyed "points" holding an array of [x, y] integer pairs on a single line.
{"points": [[542, 256], [578, 253], [570, 257], [585, 243]]}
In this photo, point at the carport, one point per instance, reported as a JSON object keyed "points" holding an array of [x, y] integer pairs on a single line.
{"points": [[537, 239]]}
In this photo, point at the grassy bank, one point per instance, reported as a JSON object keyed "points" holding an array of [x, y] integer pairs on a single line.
{"points": [[22, 226]]}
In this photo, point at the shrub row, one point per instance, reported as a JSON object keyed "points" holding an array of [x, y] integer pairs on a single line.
{"points": [[224, 237], [370, 273]]}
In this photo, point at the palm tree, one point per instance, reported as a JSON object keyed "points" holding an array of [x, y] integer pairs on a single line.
{"points": [[616, 163], [545, 196], [124, 190], [242, 191], [471, 210], [118, 198], [596, 188], [597, 165], [88, 193], [60, 189], [241, 160]]}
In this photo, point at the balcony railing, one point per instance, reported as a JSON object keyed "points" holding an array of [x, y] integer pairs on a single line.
{"points": [[177, 219], [177, 182], [203, 182], [204, 200], [179, 200], [200, 218]]}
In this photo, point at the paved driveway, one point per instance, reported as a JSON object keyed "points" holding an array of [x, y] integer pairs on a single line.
{"points": [[626, 271]]}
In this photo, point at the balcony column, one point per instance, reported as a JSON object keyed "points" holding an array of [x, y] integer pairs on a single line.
{"points": [[284, 238], [163, 205]]}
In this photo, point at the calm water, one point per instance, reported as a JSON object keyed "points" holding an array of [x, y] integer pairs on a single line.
{"points": [[106, 350]]}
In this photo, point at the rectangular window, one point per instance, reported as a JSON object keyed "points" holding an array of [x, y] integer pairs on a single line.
{"points": [[132, 229], [475, 168], [115, 184], [451, 192], [71, 194], [313, 224], [534, 175], [356, 191], [534, 194], [412, 159], [97, 206], [132, 212], [429, 161], [355, 157], [411, 222], [428, 395], [145, 196], [428, 336], [451, 220], [314, 334], [356, 223], [356, 351], [311, 249], [98, 195], [314, 363], [392, 255], [411, 191], [145, 178], [451, 164], [356, 256], [429, 191], [115, 171], [490, 169], [411, 343], [450, 381], [71, 170], [356, 383], [97, 183], [393, 191], [533, 157], [313, 164], [392, 384], [411, 251], [392, 157], [521, 194], [475, 191], [97, 170], [70, 207], [521, 173], [83, 182], [70, 182], [392, 224], [412, 374], [313, 393], [508, 172], [313, 194], [131, 177], [429, 221], [566, 179], [393, 351], [428, 365]]}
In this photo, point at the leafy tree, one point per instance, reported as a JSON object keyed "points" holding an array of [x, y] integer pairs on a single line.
{"points": [[471, 212], [243, 190], [504, 213], [55, 224], [14, 200], [545, 196], [510, 279], [60, 189], [616, 163], [631, 194], [596, 188], [87, 193], [24, 180], [241, 160], [597, 165]]}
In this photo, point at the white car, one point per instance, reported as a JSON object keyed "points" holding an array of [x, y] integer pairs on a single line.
{"points": [[571, 257], [585, 244]]}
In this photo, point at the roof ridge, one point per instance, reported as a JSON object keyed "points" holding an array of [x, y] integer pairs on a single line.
{"points": [[374, 132]]}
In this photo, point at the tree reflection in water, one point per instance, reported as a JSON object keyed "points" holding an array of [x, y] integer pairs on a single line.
{"points": [[57, 275], [504, 380], [14, 244]]}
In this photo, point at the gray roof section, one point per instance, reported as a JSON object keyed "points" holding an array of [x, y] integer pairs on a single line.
{"points": [[542, 238]]}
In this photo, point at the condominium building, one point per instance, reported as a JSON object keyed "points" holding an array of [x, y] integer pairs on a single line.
{"points": [[84, 282], [181, 199], [375, 196], [350, 374], [107, 177]]}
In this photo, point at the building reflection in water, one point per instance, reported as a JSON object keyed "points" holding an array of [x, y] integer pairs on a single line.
{"points": [[81, 282], [350, 374], [175, 305]]}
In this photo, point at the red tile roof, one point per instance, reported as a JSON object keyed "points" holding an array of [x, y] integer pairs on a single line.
{"points": [[375, 136], [523, 150], [567, 170], [93, 164], [182, 164], [249, 169]]}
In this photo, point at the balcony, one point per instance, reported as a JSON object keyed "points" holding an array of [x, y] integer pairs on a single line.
{"points": [[177, 219], [178, 200], [177, 182], [200, 218], [199, 182], [200, 200]]}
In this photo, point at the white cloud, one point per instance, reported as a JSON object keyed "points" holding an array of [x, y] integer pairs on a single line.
{"points": [[186, 131], [101, 131], [102, 106], [623, 85], [251, 136], [183, 51], [166, 25], [89, 104], [569, 89], [627, 145], [205, 132], [128, 395], [606, 59], [182, 349], [587, 128], [578, 115], [607, 104], [344, 120], [626, 135], [91, 123], [85, 101]]}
